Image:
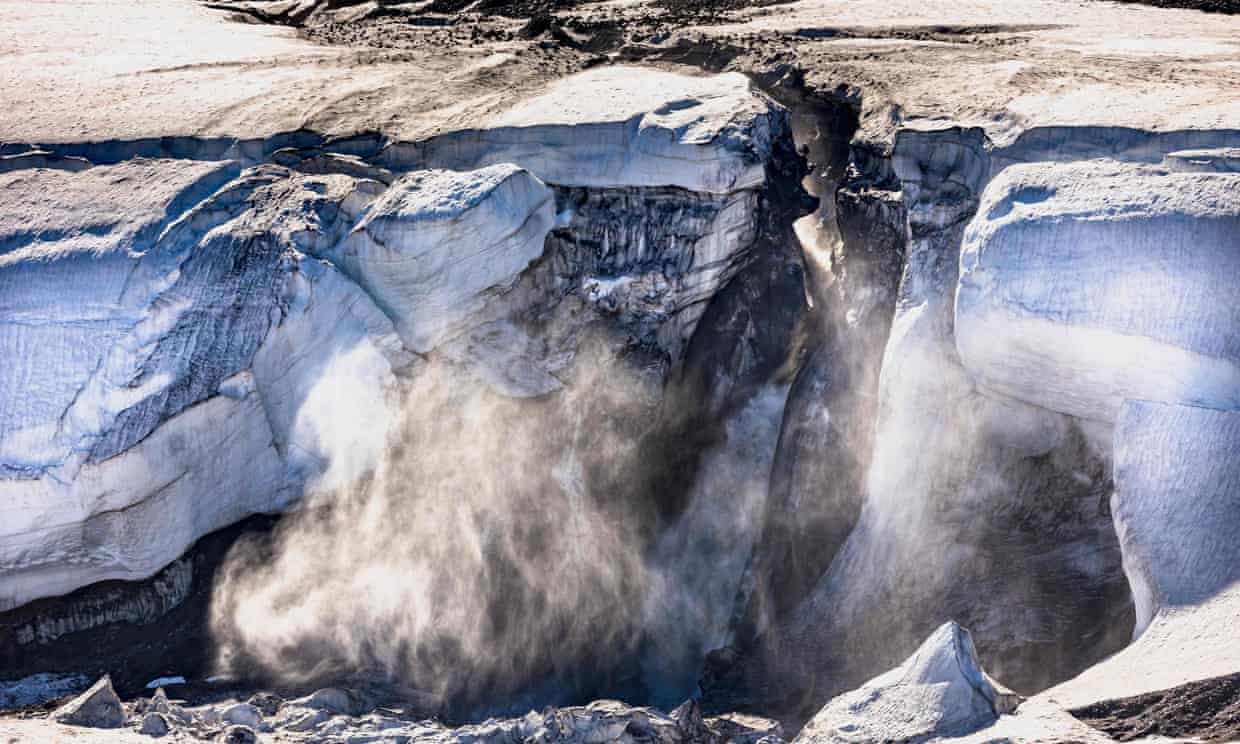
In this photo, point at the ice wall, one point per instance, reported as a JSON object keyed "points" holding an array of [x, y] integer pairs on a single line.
{"points": [[1107, 291], [1176, 510], [1177, 476], [275, 316], [1085, 284]]}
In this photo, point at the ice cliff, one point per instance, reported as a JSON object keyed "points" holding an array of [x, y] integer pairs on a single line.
{"points": [[1106, 291], [153, 397], [182, 333], [1045, 294]]}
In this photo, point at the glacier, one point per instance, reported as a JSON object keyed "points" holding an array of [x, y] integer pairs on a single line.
{"points": [[437, 240], [164, 404], [989, 381], [210, 322]]}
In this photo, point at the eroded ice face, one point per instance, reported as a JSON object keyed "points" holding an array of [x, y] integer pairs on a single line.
{"points": [[1085, 284]]}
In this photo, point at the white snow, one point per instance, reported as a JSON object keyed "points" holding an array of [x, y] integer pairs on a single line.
{"points": [[1085, 284], [165, 682]]}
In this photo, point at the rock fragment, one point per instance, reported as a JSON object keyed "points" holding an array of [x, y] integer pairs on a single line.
{"points": [[243, 714], [238, 735], [159, 701], [299, 718], [98, 707], [37, 689], [335, 700], [267, 703], [154, 724]]}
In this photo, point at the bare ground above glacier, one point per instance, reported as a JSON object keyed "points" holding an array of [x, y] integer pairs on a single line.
{"points": [[95, 71]]}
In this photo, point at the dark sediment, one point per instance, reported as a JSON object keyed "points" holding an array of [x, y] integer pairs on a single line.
{"points": [[1230, 7], [1208, 710], [134, 631]]}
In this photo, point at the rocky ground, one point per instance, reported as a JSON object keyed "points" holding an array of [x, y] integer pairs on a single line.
{"points": [[1208, 710], [1208, 6], [219, 712]]}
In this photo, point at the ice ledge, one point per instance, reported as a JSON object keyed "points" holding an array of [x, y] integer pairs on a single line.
{"points": [[622, 126], [1082, 285]]}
